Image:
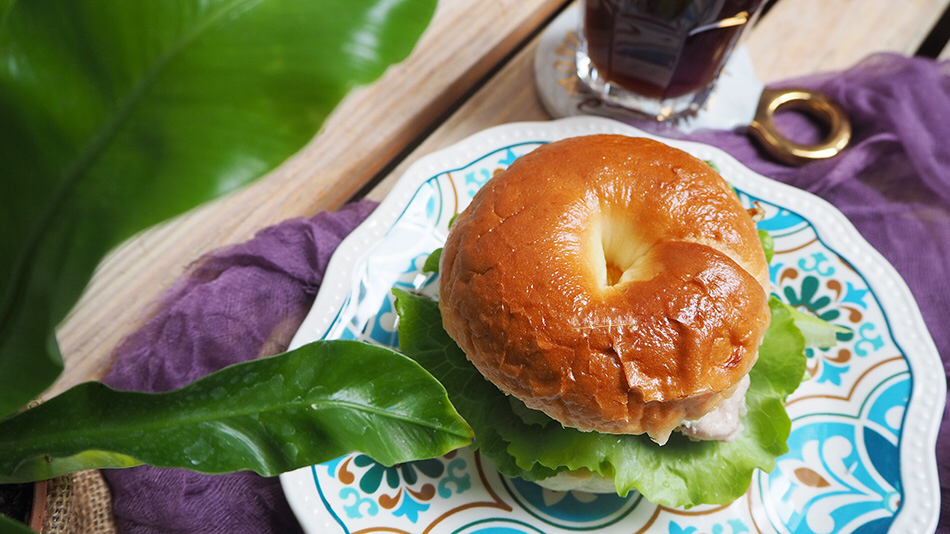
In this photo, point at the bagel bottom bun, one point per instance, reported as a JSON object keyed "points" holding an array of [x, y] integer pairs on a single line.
{"points": [[614, 283]]}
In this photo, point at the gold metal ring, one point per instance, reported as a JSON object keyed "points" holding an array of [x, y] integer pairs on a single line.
{"points": [[811, 102]]}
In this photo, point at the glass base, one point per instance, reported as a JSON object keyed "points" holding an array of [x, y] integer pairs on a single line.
{"points": [[660, 110]]}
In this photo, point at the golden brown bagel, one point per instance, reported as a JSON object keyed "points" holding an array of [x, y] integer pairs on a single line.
{"points": [[615, 283]]}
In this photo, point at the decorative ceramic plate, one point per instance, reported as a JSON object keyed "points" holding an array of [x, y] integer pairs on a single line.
{"points": [[861, 449]]}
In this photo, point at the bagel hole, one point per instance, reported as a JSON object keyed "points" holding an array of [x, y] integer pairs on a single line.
{"points": [[620, 251], [614, 273]]}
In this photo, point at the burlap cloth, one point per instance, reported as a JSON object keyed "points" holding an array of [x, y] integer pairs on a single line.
{"points": [[77, 503]]}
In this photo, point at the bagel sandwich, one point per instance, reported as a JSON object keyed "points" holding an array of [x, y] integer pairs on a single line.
{"points": [[604, 323]]}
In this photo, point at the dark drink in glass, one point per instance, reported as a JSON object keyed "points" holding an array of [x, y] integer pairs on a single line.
{"points": [[659, 57]]}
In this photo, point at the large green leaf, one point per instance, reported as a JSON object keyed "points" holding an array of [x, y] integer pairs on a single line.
{"points": [[270, 415], [10, 526], [115, 115]]}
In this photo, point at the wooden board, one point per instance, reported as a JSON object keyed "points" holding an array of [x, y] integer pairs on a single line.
{"points": [[799, 37], [505, 98]]}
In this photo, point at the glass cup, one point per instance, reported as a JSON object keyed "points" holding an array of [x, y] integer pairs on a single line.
{"points": [[659, 58]]}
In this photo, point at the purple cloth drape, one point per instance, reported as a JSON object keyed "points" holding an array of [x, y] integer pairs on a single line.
{"points": [[893, 183], [232, 305]]}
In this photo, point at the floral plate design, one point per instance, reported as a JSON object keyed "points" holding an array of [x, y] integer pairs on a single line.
{"points": [[861, 450]]}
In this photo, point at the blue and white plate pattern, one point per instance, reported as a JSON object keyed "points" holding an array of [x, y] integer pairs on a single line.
{"points": [[861, 449]]}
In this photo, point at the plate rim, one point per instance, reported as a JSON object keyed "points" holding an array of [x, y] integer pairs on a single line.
{"points": [[928, 386]]}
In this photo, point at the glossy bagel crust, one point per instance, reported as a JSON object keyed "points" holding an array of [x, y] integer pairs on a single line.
{"points": [[615, 283]]}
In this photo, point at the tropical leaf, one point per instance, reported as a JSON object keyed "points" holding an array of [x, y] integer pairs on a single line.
{"points": [[270, 416], [10, 526], [115, 115]]}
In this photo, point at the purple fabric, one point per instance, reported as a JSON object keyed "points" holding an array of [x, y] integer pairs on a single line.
{"points": [[893, 183], [232, 305]]}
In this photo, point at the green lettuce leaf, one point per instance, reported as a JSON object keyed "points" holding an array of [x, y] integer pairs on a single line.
{"points": [[817, 332], [432, 261], [768, 245], [270, 416], [675, 474]]}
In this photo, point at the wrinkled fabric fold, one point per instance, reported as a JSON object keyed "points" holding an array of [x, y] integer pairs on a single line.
{"points": [[232, 305]]}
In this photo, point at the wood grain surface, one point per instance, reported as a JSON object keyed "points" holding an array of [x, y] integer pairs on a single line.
{"points": [[799, 37], [472, 70]]}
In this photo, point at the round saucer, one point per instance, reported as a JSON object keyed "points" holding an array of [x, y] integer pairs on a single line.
{"points": [[731, 104]]}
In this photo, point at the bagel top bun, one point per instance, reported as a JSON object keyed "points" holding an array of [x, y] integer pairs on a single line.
{"points": [[614, 283]]}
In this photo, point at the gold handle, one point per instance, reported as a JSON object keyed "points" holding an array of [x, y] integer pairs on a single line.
{"points": [[812, 102]]}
